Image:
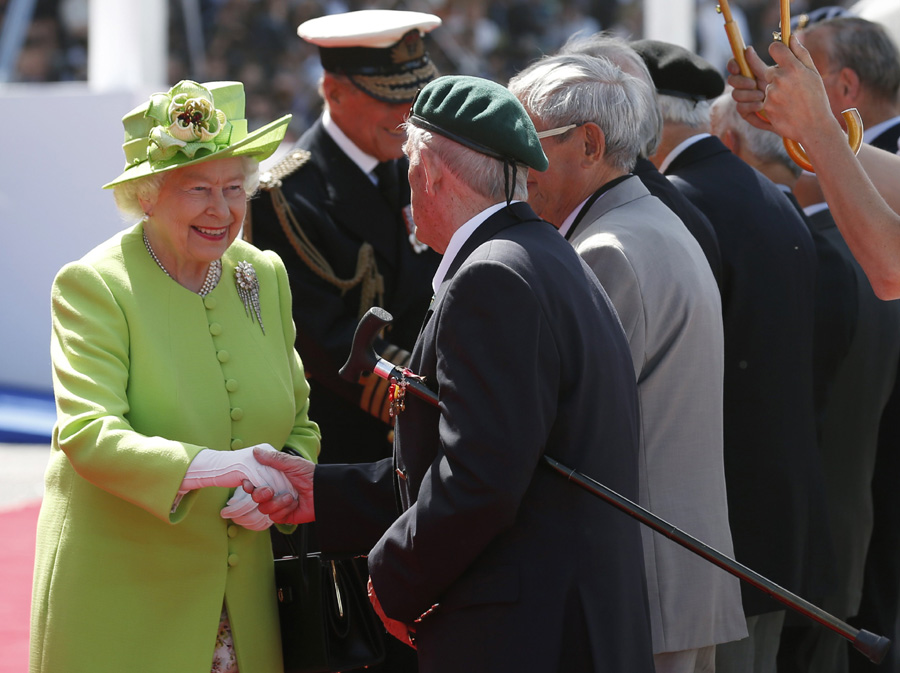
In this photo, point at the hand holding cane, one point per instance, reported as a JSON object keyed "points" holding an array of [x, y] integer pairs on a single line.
{"points": [[738, 48], [364, 358]]}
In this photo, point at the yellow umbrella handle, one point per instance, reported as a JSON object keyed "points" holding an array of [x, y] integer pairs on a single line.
{"points": [[854, 131], [794, 149], [735, 39]]}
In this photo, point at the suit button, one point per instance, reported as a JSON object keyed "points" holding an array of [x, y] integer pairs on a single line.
{"points": [[232, 530], [231, 385], [237, 414], [223, 356], [215, 329], [743, 364], [237, 444], [209, 302], [233, 560]]}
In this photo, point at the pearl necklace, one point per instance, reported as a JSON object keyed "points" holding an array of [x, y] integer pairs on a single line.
{"points": [[213, 274]]}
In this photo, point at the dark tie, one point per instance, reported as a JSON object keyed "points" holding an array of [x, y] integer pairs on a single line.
{"points": [[386, 172]]}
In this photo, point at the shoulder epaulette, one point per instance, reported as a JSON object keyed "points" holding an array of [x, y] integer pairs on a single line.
{"points": [[294, 160]]}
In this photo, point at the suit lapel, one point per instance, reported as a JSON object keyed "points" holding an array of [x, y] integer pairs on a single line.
{"points": [[619, 195]]}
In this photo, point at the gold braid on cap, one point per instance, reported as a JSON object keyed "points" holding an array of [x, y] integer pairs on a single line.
{"points": [[372, 290]]}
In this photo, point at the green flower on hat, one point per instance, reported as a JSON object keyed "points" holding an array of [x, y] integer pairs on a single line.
{"points": [[188, 121], [192, 123]]}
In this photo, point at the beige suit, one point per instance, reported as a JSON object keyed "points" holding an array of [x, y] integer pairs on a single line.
{"points": [[661, 285]]}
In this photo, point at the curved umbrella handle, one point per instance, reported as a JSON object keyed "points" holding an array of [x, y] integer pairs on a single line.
{"points": [[854, 137]]}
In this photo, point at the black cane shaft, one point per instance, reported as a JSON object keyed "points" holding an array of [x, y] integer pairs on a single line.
{"points": [[873, 646]]}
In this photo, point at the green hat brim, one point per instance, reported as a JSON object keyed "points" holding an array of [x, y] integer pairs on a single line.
{"points": [[259, 144]]}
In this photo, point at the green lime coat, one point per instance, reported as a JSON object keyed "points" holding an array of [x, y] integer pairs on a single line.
{"points": [[146, 374]]}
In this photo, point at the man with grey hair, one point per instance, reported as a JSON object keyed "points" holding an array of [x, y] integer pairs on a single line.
{"points": [[497, 564], [860, 67], [856, 348], [772, 466], [620, 52], [588, 112]]}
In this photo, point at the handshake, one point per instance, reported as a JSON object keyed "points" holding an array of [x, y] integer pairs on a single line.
{"points": [[272, 487]]}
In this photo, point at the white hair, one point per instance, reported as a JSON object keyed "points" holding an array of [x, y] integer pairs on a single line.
{"points": [[767, 146], [684, 111], [617, 50], [128, 195], [484, 174], [577, 88]]}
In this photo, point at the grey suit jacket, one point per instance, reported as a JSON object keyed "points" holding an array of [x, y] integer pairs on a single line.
{"points": [[661, 285]]}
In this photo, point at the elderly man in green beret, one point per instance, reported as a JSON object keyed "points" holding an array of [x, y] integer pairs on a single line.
{"points": [[495, 563]]}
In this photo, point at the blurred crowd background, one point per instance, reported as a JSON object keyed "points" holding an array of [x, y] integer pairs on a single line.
{"points": [[255, 41]]}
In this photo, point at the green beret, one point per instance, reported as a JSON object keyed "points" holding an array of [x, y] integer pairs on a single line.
{"points": [[482, 115], [679, 72]]}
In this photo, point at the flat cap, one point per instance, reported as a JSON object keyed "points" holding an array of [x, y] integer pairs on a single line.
{"points": [[380, 50], [482, 115], [679, 72]]}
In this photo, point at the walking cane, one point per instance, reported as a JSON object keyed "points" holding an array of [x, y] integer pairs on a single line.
{"points": [[363, 358], [794, 149]]}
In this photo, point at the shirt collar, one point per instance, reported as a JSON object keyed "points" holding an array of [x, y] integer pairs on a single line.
{"points": [[570, 220], [366, 162], [679, 149], [460, 236], [815, 208], [873, 132]]}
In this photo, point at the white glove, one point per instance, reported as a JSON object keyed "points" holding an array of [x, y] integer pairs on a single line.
{"points": [[229, 469], [244, 511]]}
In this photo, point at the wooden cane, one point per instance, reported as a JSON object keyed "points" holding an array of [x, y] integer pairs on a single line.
{"points": [[795, 150]]}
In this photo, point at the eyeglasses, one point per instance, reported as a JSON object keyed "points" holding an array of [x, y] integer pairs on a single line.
{"points": [[559, 130]]}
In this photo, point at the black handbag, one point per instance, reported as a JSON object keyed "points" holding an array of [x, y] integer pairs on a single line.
{"points": [[327, 622]]}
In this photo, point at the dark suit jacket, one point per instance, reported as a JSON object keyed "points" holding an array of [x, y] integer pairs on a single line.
{"points": [[696, 222], [859, 394], [530, 572], [339, 208], [773, 470], [836, 313], [879, 609]]}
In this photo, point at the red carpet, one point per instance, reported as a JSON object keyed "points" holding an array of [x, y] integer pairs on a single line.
{"points": [[17, 531]]}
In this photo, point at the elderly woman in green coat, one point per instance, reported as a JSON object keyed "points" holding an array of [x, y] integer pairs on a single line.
{"points": [[173, 355]]}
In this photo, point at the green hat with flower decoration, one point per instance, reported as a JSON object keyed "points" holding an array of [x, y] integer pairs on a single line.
{"points": [[192, 123]]}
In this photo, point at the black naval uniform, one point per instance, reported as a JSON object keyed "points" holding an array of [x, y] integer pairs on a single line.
{"points": [[348, 223]]}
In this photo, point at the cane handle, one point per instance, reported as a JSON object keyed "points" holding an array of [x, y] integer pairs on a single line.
{"points": [[854, 137]]}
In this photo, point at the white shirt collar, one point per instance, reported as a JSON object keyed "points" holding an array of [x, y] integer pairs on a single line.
{"points": [[460, 236], [366, 163], [679, 149], [874, 131], [815, 208], [570, 220]]}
